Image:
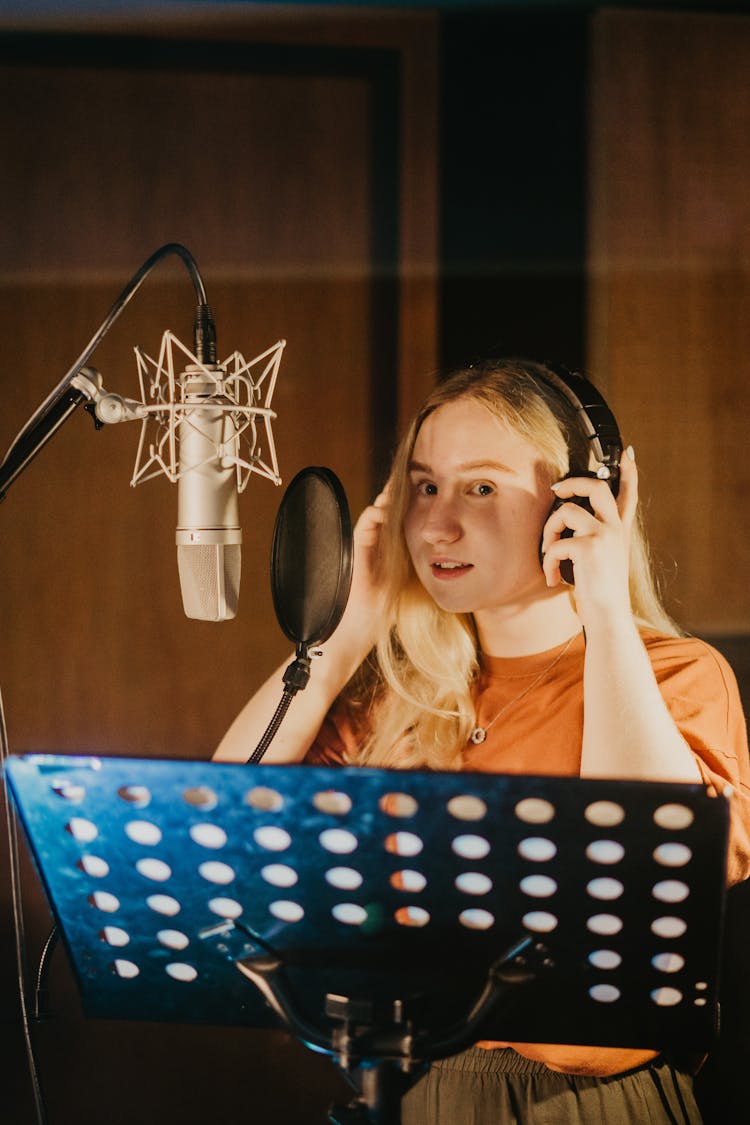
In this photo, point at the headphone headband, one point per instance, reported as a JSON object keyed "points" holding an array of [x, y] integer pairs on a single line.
{"points": [[598, 421]]}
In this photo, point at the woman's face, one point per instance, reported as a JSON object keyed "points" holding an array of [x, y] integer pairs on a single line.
{"points": [[480, 495]]}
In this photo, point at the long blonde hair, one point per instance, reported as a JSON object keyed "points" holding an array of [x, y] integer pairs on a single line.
{"points": [[412, 698]]}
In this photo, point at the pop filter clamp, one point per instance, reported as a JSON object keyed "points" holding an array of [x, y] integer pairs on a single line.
{"points": [[311, 575]]}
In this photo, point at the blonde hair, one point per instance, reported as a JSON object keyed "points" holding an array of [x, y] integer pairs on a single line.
{"points": [[413, 695]]}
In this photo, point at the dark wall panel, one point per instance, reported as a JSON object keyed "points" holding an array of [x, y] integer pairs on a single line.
{"points": [[513, 186]]}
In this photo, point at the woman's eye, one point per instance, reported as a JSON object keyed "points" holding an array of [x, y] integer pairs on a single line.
{"points": [[426, 488], [483, 489]]}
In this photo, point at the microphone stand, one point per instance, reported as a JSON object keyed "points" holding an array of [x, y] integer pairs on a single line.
{"points": [[28, 444], [79, 385]]}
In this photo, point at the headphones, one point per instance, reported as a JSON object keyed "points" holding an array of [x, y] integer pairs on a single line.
{"points": [[600, 429]]}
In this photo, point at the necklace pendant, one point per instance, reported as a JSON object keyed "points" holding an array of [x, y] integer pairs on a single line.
{"points": [[478, 735]]}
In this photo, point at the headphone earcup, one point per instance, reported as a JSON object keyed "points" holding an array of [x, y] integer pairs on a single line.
{"points": [[566, 566], [601, 431]]}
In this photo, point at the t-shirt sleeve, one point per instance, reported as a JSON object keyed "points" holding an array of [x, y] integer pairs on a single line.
{"points": [[700, 690], [335, 743]]}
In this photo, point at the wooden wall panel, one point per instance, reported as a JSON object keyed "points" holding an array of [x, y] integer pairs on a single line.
{"points": [[669, 308], [269, 177], [279, 225]]}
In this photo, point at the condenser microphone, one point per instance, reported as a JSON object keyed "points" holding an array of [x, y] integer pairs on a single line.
{"points": [[202, 429], [208, 536]]}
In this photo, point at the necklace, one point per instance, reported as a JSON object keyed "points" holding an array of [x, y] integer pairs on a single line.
{"points": [[479, 733]]}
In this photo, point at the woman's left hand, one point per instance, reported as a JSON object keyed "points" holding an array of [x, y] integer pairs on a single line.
{"points": [[599, 547]]}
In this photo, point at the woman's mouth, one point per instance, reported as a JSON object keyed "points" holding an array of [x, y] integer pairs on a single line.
{"points": [[446, 569]]}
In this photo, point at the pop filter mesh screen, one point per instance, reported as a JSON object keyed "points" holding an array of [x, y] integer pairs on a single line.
{"points": [[312, 557]]}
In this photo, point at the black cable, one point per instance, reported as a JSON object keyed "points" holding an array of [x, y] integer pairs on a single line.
{"points": [[41, 1008], [18, 926], [121, 302]]}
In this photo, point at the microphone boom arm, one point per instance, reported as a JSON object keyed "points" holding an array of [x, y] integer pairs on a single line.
{"points": [[31, 441], [70, 393]]}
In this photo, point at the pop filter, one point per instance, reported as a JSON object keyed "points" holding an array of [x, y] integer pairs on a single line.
{"points": [[311, 557], [311, 575]]}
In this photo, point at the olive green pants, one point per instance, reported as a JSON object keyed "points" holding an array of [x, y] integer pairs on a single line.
{"points": [[479, 1087]]}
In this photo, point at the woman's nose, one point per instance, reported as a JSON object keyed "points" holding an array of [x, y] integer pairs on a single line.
{"points": [[441, 524]]}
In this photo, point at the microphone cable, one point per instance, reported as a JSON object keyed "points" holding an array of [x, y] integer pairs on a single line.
{"points": [[59, 399], [18, 926]]}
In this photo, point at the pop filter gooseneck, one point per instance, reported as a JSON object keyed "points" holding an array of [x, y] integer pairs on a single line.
{"points": [[311, 575]]}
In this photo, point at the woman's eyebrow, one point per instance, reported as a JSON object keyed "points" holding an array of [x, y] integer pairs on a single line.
{"points": [[474, 466], [466, 467]]}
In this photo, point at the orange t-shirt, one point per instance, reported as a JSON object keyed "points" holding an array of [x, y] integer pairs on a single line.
{"points": [[544, 733]]}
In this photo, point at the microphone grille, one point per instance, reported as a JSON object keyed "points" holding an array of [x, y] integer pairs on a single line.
{"points": [[210, 579]]}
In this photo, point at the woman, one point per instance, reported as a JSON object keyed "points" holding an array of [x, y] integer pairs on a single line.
{"points": [[463, 647]]}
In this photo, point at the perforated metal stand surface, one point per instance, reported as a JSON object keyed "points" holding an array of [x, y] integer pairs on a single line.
{"points": [[386, 901]]}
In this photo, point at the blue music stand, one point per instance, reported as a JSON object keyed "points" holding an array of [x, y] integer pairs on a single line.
{"points": [[386, 917]]}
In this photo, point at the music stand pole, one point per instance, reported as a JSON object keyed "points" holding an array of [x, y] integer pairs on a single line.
{"points": [[383, 1059]]}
